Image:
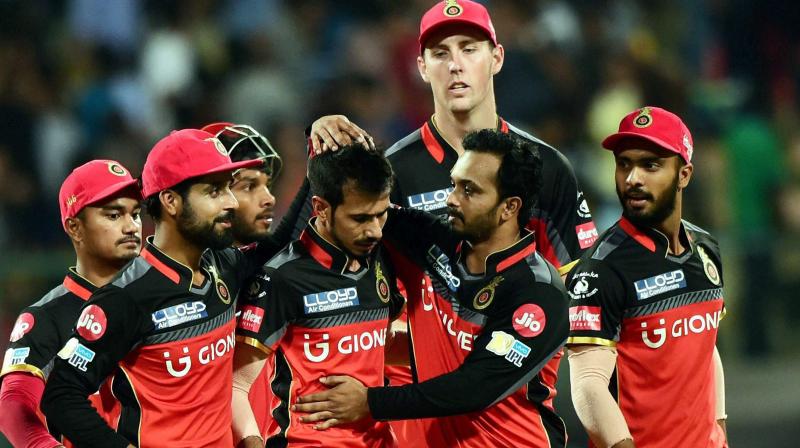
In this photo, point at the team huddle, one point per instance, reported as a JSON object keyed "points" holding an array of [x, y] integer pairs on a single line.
{"points": [[419, 296]]}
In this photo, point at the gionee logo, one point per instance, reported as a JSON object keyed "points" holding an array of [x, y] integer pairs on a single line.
{"points": [[185, 361], [324, 346], [660, 332]]}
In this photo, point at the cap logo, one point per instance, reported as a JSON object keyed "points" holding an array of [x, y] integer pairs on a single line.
{"points": [[71, 200], [688, 145], [117, 169], [644, 119], [452, 8], [218, 144]]}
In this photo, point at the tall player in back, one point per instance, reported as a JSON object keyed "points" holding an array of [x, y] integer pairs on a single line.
{"points": [[646, 302]]}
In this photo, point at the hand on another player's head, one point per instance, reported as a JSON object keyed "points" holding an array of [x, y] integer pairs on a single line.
{"points": [[331, 132]]}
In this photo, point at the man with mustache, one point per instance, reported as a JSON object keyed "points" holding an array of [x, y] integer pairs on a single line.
{"points": [[166, 321], [646, 302], [459, 56], [323, 304], [100, 205], [507, 305]]}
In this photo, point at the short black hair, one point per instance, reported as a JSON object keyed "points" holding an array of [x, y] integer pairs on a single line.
{"points": [[152, 204], [369, 170], [520, 172]]}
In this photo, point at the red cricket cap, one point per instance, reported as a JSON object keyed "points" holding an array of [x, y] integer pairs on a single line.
{"points": [[185, 154], [655, 125], [91, 183], [455, 11]]}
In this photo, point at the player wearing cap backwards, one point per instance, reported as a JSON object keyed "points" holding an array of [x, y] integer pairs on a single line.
{"points": [[503, 309], [459, 56], [100, 206], [251, 222], [647, 301], [166, 321]]}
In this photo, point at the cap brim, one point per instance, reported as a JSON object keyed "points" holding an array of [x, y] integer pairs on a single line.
{"points": [[233, 166], [612, 141], [114, 189], [215, 128], [430, 31]]}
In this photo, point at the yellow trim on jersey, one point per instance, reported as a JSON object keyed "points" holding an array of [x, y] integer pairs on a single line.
{"points": [[27, 368], [254, 343], [563, 270], [577, 340], [724, 313]]}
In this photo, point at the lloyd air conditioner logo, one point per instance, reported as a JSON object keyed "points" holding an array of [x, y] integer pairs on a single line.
{"points": [[319, 302], [659, 284], [503, 344], [179, 314], [432, 200], [441, 264]]}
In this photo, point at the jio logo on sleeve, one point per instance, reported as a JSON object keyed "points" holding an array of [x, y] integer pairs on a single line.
{"points": [[529, 320], [92, 323]]}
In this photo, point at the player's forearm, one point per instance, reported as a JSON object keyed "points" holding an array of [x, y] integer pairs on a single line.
{"points": [[66, 405], [247, 365], [19, 422], [590, 373]]}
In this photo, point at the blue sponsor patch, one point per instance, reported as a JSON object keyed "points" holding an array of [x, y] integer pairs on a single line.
{"points": [[518, 353], [659, 284], [320, 302], [432, 200], [179, 314]]}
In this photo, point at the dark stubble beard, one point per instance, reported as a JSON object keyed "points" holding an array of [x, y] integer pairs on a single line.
{"points": [[478, 230], [661, 209], [203, 234]]}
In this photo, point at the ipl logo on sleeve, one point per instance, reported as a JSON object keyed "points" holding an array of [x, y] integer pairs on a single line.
{"points": [[503, 344], [76, 354]]}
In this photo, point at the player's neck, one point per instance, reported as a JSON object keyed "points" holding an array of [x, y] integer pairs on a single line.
{"points": [[671, 228], [169, 241], [98, 272], [502, 238], [453, 126]]}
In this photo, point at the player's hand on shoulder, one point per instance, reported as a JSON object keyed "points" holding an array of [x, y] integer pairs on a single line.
{"points": [[331, 132]]}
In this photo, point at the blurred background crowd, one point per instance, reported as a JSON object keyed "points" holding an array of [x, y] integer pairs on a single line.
{"points": [[83, 79]]}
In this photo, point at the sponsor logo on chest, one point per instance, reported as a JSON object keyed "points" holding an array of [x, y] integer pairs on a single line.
{"points": [[432, 200], [684, 326], [584, 318], [659, 284], [320, 302], [179, 314], [441, 265], [317, 347]]}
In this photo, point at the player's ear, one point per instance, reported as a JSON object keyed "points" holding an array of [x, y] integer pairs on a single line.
{"points": [[511, 208], [423, 68], [322, 208], [171, 202], [685, 175], [74, 228], [498, 55]]}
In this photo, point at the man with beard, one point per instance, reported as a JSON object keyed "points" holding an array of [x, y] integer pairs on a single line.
{"points": [[323, 304], [100, 206], [646, 302], [506, 299], [166, 321]]}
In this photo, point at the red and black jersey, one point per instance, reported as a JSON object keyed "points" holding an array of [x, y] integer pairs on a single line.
{"points": [[44, 327], [479, 341], [561, 221], [172, 343], [661, 312], [320, 320]]}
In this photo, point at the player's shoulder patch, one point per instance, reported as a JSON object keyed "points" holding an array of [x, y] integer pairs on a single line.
{"points": [[51, 296], [607, 243], [288, 254], [132, 272], [403, 143]]}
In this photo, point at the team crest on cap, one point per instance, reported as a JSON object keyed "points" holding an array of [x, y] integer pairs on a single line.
{"points": [[644, 119], [485, 296], [709, 267], [71, 200], [688, 145], [218, 144], [117, 169], [452, 8], [381, 285]]}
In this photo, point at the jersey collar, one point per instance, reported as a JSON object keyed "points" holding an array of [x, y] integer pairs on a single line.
{"points": [[78, 285], [324, 252], [166, 265], [437, 146], [651, 239], [501, 260]]}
